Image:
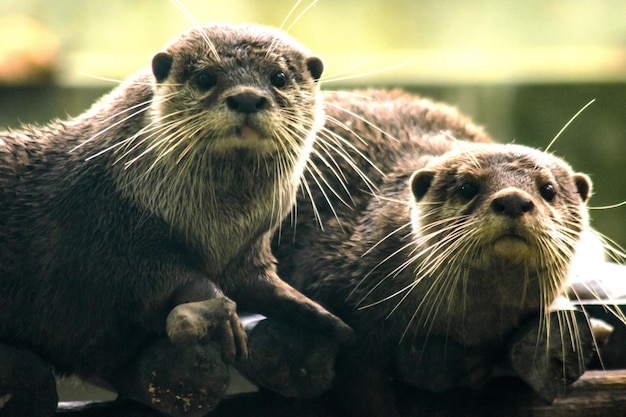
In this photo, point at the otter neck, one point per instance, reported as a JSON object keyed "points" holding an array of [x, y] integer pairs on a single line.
{"points": [[475, 306], [218, 204]]}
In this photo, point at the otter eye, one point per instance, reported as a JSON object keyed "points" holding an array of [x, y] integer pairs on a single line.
{"points": [[206, 80], [469, 190], [548, 192], [279, 79]]}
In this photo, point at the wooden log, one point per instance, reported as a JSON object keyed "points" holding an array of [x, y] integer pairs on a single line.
{"points": [[595, 394]]}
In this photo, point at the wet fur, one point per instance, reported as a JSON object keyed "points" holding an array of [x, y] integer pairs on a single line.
{"points": [[153, 198], [400, 259]]}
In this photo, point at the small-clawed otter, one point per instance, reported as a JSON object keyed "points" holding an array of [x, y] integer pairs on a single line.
{"points": [[451, 245], [154, 206]]}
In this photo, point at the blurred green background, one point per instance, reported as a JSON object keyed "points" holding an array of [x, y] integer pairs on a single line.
{"points": [[522, 69]]}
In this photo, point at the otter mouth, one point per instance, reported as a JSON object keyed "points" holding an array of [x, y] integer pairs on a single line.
{"points": [[512, 248], [250, 129], [247, 132]]}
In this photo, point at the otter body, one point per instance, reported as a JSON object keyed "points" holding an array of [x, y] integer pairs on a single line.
{"points": [[451, 246], [163, 195]]}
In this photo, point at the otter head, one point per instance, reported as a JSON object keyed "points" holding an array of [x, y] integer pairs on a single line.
{"points": [[517, 200], [502, 220], [233, 115], [237, 89]]}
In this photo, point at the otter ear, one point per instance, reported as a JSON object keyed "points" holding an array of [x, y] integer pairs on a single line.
{"points": [[316, 67], [420, 183], [583, 185], [161, 65]]}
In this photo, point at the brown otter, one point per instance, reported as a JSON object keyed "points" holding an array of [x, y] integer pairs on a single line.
{"points": [[156, 205], [447, 250]]}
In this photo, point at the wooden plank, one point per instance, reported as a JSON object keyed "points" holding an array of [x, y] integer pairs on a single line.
{"points": [[596, 394]]}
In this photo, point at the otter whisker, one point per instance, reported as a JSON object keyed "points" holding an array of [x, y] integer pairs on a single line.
{"points": [[427, 316], [119, 81], [169, 137], [337, 175], [612, 248], [364, 279], [567, 124], [360, 118], [157, 132], [347, 70], [192, 19], [144, 106], [422, 274], [569, 330], [434, 260], [341, 142], [319, 179], [119, 122], [332, 151], [302, 13], [384, 198], [365, 74], [167, 132], [610, 206], [437, 290], [384, 299], [293, 9], [307, 189], [387, 236], [336, 150], [286, 18]]}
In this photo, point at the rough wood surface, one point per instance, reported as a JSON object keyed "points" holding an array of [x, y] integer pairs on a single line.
{"points": [[596, 394]]}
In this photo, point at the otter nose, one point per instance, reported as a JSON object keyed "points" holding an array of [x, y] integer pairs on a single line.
{"points": [[512, 205], [247, 102]]}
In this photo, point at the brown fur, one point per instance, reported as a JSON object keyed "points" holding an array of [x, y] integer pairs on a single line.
{"points": [[379, 265], [164, 193]]}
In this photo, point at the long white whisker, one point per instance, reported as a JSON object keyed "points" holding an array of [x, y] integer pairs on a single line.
{"points": [[567, 124], [610, 206], [302, 13], [365, 74], [192, 19]]}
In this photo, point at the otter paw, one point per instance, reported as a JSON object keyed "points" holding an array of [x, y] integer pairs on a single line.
{"points": [[288, 359], [176, 380], [437, 364], [551, 353], [213, 320]]}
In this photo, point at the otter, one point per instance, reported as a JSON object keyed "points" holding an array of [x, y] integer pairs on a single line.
{"points": [[130, 234], [436, 251]]}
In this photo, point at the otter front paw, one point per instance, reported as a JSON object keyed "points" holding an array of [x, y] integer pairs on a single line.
{"points": [[551, 353], [180, 381], [437, 364], [288, 359], [213, 320]]}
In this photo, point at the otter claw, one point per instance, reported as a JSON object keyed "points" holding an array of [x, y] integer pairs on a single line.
{"points": [[213, 320]]}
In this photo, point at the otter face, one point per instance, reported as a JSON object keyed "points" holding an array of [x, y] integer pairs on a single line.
{"points": [[514, 203], [501, 224], [234, 112], [226, 88]]}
